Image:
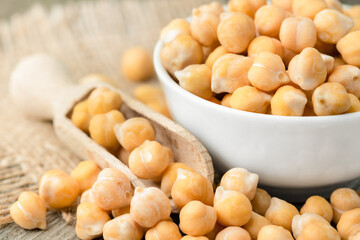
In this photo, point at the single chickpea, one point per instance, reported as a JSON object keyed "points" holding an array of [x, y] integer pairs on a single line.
{"points": [[180, 53], [268, 72], [160, 107], [29, 211], [342, 200], [232, 208], [284, 4], [261, 202], [190, 186], [136, 64], [169, 176], [235, 31], [112, 189], [196, 79], [164, 230], [87, 196], [349, 48], [325, 48], [146, 93], [349, 77], [288, 101], [85, 174], [214, 55], [81, 116], [353, 11], [272, 232], [241, 180], [254, 225], [175, 28], [297, 33], [101, 128], [123, 156], [58, 189], [233, 233], [226, 100], [330, 99], [265, 44], [120, 211], [288, 56], [214, 7], [268, 20], [150, 159], [197, 219], [318, 205], [248, 7], [318, 231], [149, 206], [281, 213], [230, 72], [187, 237], [103, 100], [308, 69], [203, 26], [96, 78], [329, 62], [308, 8], [334, 4], [354, 104], [122, 227], [90, 220]]}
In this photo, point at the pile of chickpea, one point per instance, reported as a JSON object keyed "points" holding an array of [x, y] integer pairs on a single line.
{"points": [[288, 58]]}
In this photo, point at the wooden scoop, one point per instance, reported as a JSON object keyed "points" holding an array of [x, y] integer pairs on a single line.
{"points": [[42, 87]]}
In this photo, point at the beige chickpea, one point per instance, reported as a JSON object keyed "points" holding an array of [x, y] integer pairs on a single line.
{"points": [[342, 200], [349, 223], [120, 211], [318, 205], [175, 28], [214, 55], [268, 72], [301, 222], [232, 207], [103, 100], [90, 220], [284, 4], [81, 116], [230, 72], [190, 186], [197, 219], [188, 237], [122, 227], [29, 211], [261, 202], [349, 77], [137, 64], [203, 26], [265, 44], [354, 104], [353, 11], [58, 189], [319, 232], [334, 4], [235, 31], [164, 230], [297, 33], [241, 180], [87, 196], [326, 48], [169, 176], [308, 8], [248, 7], [226, 100], [233, 233], [180, 53], [349, 48], [308, 69], [281, 213], [268, 20], [329, 62], [112, 189], [272, 232], [196, 79], [85, 174], [330, 98], [288, 56], [288, 101], [254, 225]]}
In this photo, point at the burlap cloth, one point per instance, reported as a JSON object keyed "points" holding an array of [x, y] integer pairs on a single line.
{"points": [[88, 37]]}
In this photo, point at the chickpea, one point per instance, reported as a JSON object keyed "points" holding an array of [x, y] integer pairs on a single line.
{"points": [[190, 186], [103, 100], [203, 26], [85, 174], [180, 53], [187, 237], [254, 225], [112, 189], [226, 100], [272, 232], [265, 44], [284, 4], [123, 156], [230, 72], [248, 7], [235, 31], [330, 99], [319, 232], [120, 211], [87, 196], [355, 236], [164, 230], [232, 208], [288, 101], [268, 66], [288, 56], [96, 78], [301, 222], [58, 189], [149, 206], [297, 33], [349, 48], [122, 227], [29, 211], [90, 220], [349, 77], [354, 104], [81, 116], [325, 48], [136, 64], [101, 128], [241, 180], [354, 11], [268, 20], [196, 79], [197, 219], [308, 8], [329, 63], [175, 28], [281, 213], [233, 233], [146, 93], [214, 55], [160, 107], [169, 176], [334, 4], [261, 202], [318, 205], [214, 7], [342, 200]]}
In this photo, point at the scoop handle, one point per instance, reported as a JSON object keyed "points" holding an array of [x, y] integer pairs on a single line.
{"points": [[36, 84]]}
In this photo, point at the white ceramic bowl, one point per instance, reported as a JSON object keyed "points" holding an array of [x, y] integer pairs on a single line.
{"points": [[287, 152]]}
